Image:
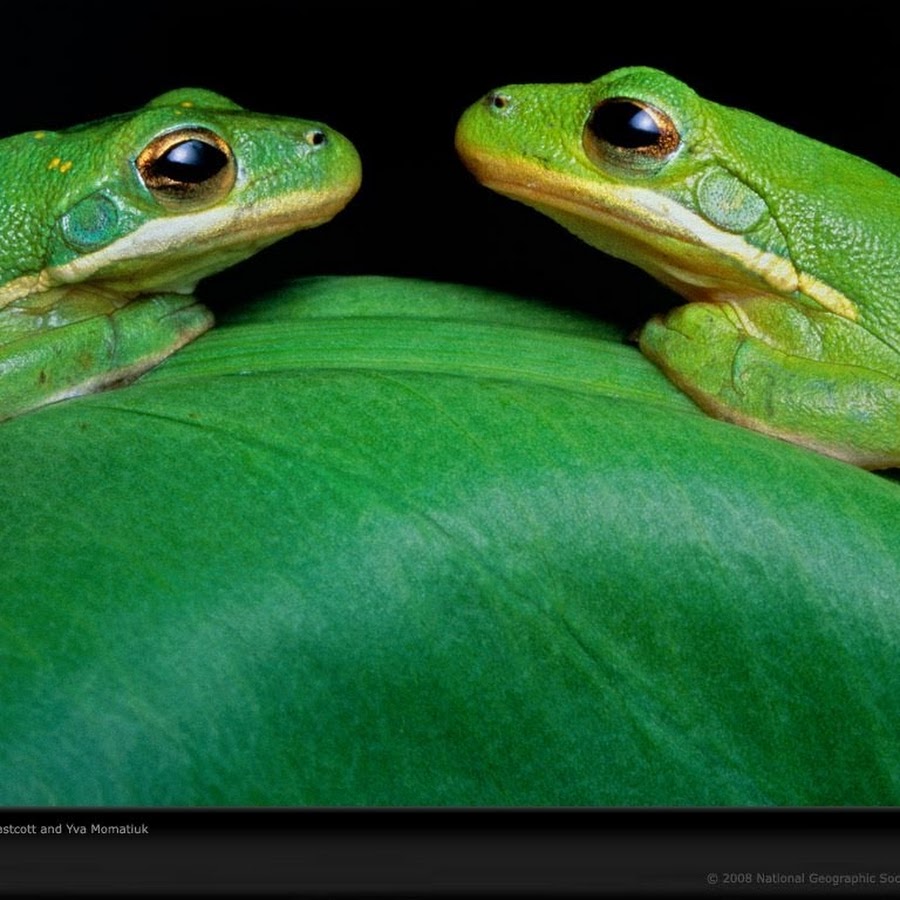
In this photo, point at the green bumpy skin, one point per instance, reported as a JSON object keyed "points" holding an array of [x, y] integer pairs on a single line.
{"points": [[787, 250], [106, 228]]}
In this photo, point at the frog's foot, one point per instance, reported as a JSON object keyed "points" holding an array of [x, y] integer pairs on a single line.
{"points": [[97, 352], [803, 375]]}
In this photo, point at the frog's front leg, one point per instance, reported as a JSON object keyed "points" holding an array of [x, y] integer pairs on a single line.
{"points": [[44, 362], [798, 373]]}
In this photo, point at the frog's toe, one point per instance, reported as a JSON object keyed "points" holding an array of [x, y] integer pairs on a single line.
{"points": [[695, 345]]}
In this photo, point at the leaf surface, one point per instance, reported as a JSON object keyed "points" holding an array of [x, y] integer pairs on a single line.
{"points": [[384, 542]]}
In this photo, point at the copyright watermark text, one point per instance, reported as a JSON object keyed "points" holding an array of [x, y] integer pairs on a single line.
{"points": [[819, 879]]}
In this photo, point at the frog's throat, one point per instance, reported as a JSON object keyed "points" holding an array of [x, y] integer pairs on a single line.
{"points": [[635, 214], [224, 235]]}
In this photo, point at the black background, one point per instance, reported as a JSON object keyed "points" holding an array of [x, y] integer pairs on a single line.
{"points": [[394, 79]]}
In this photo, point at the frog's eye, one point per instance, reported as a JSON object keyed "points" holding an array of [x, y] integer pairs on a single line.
{"points": [[629, 132], [187, 169]]}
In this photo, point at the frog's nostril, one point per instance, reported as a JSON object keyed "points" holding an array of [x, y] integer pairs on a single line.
{"points": [[496, 100], [316, 138]]}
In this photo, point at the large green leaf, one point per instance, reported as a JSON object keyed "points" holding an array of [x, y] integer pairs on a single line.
{"points": [[386, 542]]}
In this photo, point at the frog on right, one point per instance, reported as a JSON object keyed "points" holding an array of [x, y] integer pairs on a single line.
{"points": [[787, 250]]}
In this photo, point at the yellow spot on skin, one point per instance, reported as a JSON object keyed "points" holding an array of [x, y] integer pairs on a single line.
{"points": [[66, 166], [40, 135], [54, 162], [187, 104]]}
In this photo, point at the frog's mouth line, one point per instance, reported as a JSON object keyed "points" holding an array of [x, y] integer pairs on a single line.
{"points": [[673, 243], [632, 219], [174, 253]]}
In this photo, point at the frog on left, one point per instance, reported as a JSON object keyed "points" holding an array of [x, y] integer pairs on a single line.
{"points": [[106, 228]]}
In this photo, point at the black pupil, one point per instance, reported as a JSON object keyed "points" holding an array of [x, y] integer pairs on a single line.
{"points": [[190, 162], [624, 124]]}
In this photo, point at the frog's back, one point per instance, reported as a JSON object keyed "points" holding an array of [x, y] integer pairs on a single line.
{"points": [[42, 174], [30, 181], [839, 215]]}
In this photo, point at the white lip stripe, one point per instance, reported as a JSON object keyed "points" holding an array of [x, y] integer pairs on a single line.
{"points": [[159, 236], [23, 286], [641, 210], [150, 239], [287, 213]]}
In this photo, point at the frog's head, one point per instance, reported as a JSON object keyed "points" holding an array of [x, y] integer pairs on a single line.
{"points": [[186, 186], [641, 167], [581, 147]]}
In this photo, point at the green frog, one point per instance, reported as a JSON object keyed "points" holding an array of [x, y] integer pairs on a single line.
{"points": [[106, 229], [786, 249]]}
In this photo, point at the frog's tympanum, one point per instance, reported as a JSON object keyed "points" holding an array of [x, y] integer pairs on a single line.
{"points": [[106, 228], [787, 250]]}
